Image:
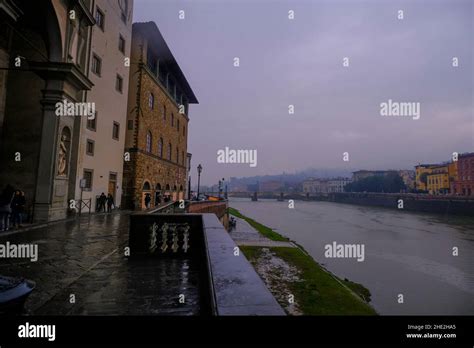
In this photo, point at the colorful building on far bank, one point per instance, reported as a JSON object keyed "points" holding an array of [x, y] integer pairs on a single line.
{"points": [[421, 175], [157, 123], [437, 182], [453, 176], [464, 185]]}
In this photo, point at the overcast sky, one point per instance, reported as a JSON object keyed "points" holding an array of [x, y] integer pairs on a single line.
{"points": [[300, 62]]}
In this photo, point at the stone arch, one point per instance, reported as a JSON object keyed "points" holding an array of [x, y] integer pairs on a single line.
{"points": [[175, 193], [54, 36], [146, 199]]}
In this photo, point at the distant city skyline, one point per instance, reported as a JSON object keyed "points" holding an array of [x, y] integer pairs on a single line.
{"points": [[300, 62]]}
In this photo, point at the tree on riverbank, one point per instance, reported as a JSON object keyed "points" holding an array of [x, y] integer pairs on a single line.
{"points": [[389, 183]]}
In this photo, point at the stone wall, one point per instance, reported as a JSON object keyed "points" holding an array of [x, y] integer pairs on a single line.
{"points": [[438, 205]]}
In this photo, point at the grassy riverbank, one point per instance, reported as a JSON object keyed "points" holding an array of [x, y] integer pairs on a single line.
{"points": [[291, 271]]}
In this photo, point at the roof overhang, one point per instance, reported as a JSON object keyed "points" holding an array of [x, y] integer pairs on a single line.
{"points": [[158, 44]]}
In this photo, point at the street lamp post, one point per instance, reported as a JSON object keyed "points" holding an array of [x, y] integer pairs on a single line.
{"points": [[199, 168], [221, 184]]}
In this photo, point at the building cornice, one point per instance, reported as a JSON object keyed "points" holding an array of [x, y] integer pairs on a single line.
{"points": [[85, 12], [62, 71]]}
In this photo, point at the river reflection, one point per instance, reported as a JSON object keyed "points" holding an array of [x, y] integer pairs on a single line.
{"points": [[405, 253]]}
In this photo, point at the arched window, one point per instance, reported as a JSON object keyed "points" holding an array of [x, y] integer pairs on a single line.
{"points": [[151, 101], [181, 188], [177, 155], [168, 155], [158, 187], [148, 142], [167, 187], [146, 186], [178, 125], [160, 147], [174, 188]]}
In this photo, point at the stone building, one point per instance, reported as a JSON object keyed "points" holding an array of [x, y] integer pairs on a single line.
{"points": [[44, 59], [157, 122]]}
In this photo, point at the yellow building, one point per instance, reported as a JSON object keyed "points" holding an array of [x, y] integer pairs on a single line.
{"points": [[421, 174], [453, 176], [438, 180]]}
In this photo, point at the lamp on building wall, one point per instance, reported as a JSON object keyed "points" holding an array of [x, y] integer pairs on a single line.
{"points": [[199, 168]]}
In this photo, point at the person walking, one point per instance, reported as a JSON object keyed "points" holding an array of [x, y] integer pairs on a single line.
{"points": [[110, 203], [147, 200], [102, 201], [6, 199], [18, 207]]}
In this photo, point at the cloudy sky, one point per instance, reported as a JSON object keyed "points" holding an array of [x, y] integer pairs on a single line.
{"points": [[300, 62]]}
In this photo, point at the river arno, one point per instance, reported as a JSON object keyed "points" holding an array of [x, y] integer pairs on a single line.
{"points": [[405, 253]]}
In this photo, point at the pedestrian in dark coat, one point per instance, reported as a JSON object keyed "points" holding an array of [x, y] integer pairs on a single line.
{"points": [[18, 207], [6, 199], [110, 203]]}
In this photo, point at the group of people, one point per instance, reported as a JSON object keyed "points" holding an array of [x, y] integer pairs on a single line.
{"points": [[104, 201], [12, 208]]}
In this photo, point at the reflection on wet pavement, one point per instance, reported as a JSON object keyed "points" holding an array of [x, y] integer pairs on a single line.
{"points": [[82, 270]]}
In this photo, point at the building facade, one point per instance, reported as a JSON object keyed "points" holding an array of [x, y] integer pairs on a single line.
{"points": [[421, 175], [155, 168], [102, 138], [313, 185], [338, 184], [44, 50], [464, 185], [453, 176], [438, 180]]}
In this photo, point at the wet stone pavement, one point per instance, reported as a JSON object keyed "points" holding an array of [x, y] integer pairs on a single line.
{"points": [[85, 258]]}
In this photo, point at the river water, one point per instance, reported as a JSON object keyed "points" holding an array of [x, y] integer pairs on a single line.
{"points": [[405, 253]]}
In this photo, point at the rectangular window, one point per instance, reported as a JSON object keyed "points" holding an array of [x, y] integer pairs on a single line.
{"points": [[90, 147], [119, 84], [100, 18], [92, 123], [178, 125], [96, 64], [130, 124], [88, 175], [121, 46], [116, 131]]}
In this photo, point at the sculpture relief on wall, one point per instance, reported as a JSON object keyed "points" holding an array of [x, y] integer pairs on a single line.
{"points": [[63, 153]]}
